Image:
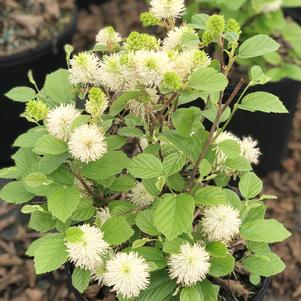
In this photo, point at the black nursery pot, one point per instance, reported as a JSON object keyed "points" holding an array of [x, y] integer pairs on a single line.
{"points": [[272, 130], [261, 292], [43, 59]]}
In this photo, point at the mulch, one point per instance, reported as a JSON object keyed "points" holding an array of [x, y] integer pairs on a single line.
{"points": [[18, 281]]}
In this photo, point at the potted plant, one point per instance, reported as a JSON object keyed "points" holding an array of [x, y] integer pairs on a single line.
{"points": [[33, 35], [283, 67], [135, 189]]}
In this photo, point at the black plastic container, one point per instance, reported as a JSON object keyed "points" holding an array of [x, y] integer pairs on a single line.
{"points": [[42, 60], [80, 297]]}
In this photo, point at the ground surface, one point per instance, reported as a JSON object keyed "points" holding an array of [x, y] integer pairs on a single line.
{"points": [[17, 278]]}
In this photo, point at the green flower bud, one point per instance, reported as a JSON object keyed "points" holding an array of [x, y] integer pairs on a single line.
{"points": [[207, 38], [137, 41], [201, 59], [97, 102], [171, 82], [233, 25], [215, 25], [35, 111], [148, 19]]}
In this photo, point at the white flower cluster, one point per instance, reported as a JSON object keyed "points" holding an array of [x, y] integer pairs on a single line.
{"points": [[248, 149], [86, 142], [140, 197], [165, 9]]}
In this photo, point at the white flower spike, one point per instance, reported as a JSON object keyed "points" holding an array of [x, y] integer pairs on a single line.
{"points": [[87, 253], [87, 143], [140, 197], [221, 223], [128, 274], [165, 9], [190, 265], [250, 150]]}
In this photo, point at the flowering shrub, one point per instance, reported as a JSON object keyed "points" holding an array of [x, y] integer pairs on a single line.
{"points": [[130, 186]]}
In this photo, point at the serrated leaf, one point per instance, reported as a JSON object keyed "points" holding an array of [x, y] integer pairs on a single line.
{"points": [[221, 266], [257, 46], [50, 145], [120, 102], [115, 142], [263, 102], [84, 210], [267, 265], [63, 202], [210, 196], [73, 234], [174, 215], [36, 179], [116, 230], [173, 246], [21, 94], [145, 222], [80, 279], [130, 132], [15, 192], [123, 183], [238, 163], [50, 253], [250, 185], [268, 231], [30, 138], [258, 77], [217, 249], [230, 148], [190, 293], [199, 21], [145, 166], [173, 163], [9, 173], [49, 163], [208, 79], [41, 221], [153, 256]]}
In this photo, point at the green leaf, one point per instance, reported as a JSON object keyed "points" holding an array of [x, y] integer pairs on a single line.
{"points": [[232, 198], [116, 230], [189, 39], [205, 168], [221, 266], [50, 145], [130, 132], [199, 21], [239, 163], [41, 221], [217, 249], [173, 246], [174, 215], [173, 163], [36, 179], [15, 192], [145, 166], [21, 94], [209, 291], [49, 163], [80, 279], [26, 161], [63, 202], [153, 256], [263, 102], [84, 210], [73, 234], [50, 253], [160, 288], [9, 173], [257, 46], [230, 148], [210, 196], [208, 79], [191, 293], [123, 183], [264, 231], [145, 222], [58, 88], [291, 3], [115, 142], [264, 265], [258, 77], [30, 138], [250, 185], [110, 164], [120, 102]]}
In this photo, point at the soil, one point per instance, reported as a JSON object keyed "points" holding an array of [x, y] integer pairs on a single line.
{"points": [[18, 281], [24, 24]]}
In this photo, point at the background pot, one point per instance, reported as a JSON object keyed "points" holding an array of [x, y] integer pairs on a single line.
{"points": [[43, 59]]}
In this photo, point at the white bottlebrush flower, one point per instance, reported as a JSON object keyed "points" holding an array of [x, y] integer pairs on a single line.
{"points": [[165, 9], [140, 197], [84, 69], [187, 61], [88, 251], [173, 41], [113, 72], [87, 143], [221, 223], [59, 120], [190, 265], [103, 214], [250, 150], [128, 274], [108, 37], [150, 66], [271, 6], [98, 272], [226, 136]]}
